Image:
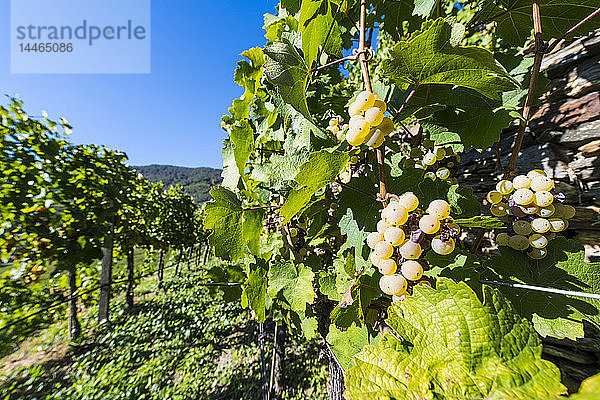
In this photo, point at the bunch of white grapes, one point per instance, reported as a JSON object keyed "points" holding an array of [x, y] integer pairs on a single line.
{"points": [[533, 210], [367, 121], [403, 234], [439, 162], [335, 127]]}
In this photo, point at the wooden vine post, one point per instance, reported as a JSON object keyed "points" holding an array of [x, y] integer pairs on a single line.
{"points": [[130, 278], [106, 276], [74, 325]]}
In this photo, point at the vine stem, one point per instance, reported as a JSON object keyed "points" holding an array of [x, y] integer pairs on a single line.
{"points": [[362, 56], [261, 207], [567, 33], [535, 73]]}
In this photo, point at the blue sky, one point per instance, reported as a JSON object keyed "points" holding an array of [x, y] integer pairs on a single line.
{"points": [[170, 116]]}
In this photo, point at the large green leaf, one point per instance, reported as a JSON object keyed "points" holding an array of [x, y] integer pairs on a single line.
{"points": [[295, 282], [319, 28], [345, 344], [242, 137], [515, 23], [321, 169], [450, 345], [255, 289], [287, 71], [588, 390], [563, 268], [429, 58], [232, 227]]}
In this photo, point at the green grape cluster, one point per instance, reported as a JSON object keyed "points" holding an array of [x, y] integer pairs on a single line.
{"points": [[438, 162], [533, 211], [367, 121], [403, 234], [335, 127]]}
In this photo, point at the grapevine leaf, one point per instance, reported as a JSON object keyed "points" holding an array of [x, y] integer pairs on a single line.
{"points": [[588, 390], [230, 173], [309, 327], [321, 169], [563, 268], [328, 287], [480, 221], [319, 28], [231, 226], [515, 23], [286, 70], [424, 7], [345, 344], [365, 210], [363, 291], [295, 282], [396, 12], [242, 137], [451, 345], [255, 289], [429, 58], [354, 235], [252, 228], [224, 217]]}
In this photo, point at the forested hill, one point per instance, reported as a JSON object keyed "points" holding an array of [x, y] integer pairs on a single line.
{"points": [[195, 181]]}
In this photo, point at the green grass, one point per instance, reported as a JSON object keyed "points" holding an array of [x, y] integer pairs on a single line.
{"points": [[180, 344]]}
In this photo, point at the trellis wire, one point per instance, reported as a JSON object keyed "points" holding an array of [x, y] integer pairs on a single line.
{"points": [[543, 289]]}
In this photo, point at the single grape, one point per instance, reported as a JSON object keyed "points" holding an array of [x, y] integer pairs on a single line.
{"points": [[523, 197], [353, 160], [412, 270], [373, 239], [538, 254], [569, 212], [539, 183], [380, 104], [538, 241], [557, 224], [502, 239], [546, 212], [333, 122], [376, 140], [450, 165], [386, 126], [303, 252], [443, 173], [365, 100], [429, 158], [375, 259], [499, 210], [393, 284], [409, 201], [452, 181], [559, 210], [334, 129], [535, 172], [383, 250], [428, 143], [504, 187], [361, 127], [521, 182], [430, 175], [494, 197], [540, 225], [439, 208], [529, 209], [522, 227], [440, 153], [518, 242], [442, 247], [543, 198], [410, 250], [353, 137], [382, 225], [387, 266], [354, 109], [374, 116], [394, 236], [395, 214], [429, 224], [340, 135], [293, 232]]}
